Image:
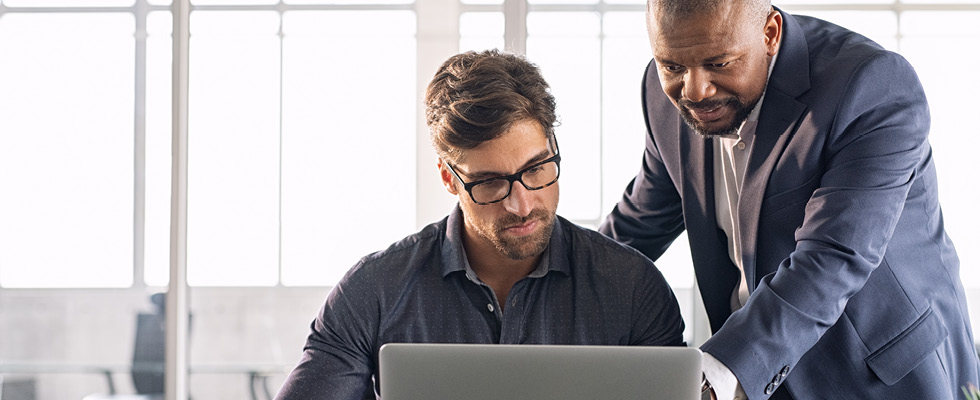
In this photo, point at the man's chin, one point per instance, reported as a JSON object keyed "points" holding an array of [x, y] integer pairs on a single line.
{"points": [[525, 246], [713, 129], [725, 123]]}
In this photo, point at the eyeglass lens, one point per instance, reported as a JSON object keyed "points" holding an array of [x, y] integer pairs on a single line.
{"points": [[534, 178]]}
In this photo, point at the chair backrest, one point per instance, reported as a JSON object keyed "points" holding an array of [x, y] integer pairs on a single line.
{"points": [[149, 353], [149, 350]]}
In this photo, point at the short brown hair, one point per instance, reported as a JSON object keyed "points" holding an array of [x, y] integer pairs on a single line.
{"points": [[476, 96]]}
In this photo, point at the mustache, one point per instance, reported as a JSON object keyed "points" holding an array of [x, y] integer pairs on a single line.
{"points": [[709, 104], [513, 220]]}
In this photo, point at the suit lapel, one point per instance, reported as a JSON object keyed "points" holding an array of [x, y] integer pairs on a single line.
{"points": [[779, 118], [698, 163], [716, 273]]}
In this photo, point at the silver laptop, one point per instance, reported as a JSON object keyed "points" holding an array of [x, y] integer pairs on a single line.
{"points": [[416, 371]]}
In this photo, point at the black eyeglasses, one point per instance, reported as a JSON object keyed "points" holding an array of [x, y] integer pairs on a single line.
{"points": [[535, 177]]}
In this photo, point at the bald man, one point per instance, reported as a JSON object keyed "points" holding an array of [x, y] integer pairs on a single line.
{"points": [[795, 153]]}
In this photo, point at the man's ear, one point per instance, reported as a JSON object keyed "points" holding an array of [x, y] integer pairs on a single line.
{"points": [[447, 178], [773, 31]]}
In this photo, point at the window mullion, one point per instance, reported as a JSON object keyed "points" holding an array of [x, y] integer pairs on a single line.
{"points": [[515, 26], [437, 38], [139, 142]]}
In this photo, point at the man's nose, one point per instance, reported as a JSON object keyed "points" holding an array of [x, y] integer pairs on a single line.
{"points": [[519, 201], [697, 85]]}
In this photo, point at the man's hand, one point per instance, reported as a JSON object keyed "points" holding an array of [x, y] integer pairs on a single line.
{"points": [[707, 392]]}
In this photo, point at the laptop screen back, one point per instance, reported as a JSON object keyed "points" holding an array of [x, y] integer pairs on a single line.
{"points": [[415, 371]]}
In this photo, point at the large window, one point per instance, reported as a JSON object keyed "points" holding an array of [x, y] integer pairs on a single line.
{"points": [[944, 68], [66, 148], [302, 128], [304, 131], [299, 127]]}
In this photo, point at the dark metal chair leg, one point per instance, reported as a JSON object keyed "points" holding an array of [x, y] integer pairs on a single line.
{"points": [[109, 382]]}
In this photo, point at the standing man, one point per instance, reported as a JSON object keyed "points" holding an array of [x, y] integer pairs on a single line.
{"points": [[502, 267], [795, 154]]}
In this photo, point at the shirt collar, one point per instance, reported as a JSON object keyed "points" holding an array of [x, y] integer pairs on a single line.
{"points": [[454, 255]]}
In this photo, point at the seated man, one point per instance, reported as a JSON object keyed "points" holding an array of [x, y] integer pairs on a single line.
{"points": [[502, 267]]}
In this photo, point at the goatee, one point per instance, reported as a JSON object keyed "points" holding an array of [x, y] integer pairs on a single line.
{"points": [[742, 112], [524, 247]]}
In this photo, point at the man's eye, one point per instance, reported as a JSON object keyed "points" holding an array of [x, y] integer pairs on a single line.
{"points": [[673, 68], [719, 65], [493, 183]]}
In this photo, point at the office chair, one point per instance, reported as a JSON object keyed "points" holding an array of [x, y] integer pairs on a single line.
{"points": [[18, 389], [149, 351]]}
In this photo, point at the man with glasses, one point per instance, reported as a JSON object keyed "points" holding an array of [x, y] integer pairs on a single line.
{"points": [[502, 267]]}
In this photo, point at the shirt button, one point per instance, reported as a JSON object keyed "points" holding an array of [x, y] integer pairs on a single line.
{"points": [[490, 307], [740, 145]]}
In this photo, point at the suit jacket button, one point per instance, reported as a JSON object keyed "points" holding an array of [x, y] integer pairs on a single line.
{"points": [[777, 379], [770, 388], [784, 371]]}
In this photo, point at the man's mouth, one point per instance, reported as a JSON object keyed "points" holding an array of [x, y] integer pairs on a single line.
{"points": [[522, 229], [708, 114]]}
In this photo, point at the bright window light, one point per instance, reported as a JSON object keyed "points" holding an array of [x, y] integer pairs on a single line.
{"points": [[565, 45], [946, 73], [276, 90], [348, 139], [156, 231], [233, 156], [481, 31], [66, 150], [67, 3]]}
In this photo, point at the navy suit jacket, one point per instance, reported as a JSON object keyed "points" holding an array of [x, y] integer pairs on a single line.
{"points": [[855, 289]]}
